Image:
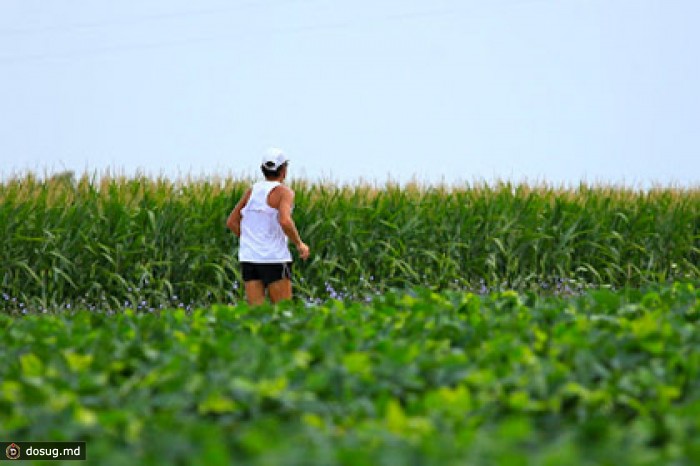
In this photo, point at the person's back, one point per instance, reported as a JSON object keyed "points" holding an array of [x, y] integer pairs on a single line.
{"points": [[262, 220], [262, 237]]}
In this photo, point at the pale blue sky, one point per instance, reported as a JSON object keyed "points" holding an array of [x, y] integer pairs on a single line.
{"points": [[557, 91]]}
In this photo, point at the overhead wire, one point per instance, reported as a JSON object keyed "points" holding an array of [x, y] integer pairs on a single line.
{"points": [[147, 18], [196, 40], [144, 46]]}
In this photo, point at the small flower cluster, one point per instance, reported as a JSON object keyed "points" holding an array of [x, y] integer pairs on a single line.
{"points": [[368, 289], [558, 287], [333, 294], [137, 303]]}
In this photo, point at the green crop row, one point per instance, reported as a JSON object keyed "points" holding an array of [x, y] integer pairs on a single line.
{"points": [[141, 241], [424, 378]]}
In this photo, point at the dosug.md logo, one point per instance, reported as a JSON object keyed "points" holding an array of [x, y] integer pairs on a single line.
{"points": [[12, 451]]}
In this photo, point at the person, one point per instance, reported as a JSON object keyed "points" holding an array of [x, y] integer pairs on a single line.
{"points": [[262, 220]]}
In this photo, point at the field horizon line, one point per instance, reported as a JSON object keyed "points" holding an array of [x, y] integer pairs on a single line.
{"points": [[97, 177]]}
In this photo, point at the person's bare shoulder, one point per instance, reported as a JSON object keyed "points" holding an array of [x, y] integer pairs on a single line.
{"points": [[278, 194]]}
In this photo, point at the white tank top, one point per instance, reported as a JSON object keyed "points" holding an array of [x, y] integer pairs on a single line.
{"points": [[262, 238]]}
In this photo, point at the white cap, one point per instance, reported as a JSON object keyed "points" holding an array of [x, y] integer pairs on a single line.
{"points": [[274, 158]]}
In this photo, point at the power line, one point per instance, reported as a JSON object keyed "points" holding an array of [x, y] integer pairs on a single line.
{"points": [[197, 40], [146, 18]]}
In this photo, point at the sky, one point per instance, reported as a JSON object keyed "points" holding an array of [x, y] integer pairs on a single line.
{"points": [[441, 91]]}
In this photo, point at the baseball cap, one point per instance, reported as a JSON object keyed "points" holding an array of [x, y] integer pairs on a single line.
{"points": [[274, 158]]}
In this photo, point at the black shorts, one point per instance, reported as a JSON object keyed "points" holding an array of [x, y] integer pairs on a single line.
{"points": [[267, 273]]}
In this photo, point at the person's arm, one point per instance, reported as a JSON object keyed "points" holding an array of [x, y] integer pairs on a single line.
{"points": [[234, 219], [287, 223]]}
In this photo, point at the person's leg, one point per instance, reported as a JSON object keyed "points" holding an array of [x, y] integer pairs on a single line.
{"points": [[279, 281], [280, 290], [255, 292], [254, 283]]}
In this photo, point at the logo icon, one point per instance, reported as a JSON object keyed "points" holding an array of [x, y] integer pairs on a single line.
{"points": [[12, 451]]}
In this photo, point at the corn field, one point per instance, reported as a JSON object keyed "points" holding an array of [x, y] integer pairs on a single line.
{"points": [[138, 242]]}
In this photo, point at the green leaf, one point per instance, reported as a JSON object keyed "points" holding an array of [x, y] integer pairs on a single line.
{"points": [[77, 362], [31, 365], [216, 403]]}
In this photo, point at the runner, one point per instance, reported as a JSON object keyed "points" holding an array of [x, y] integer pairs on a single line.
{"points": [[262, 220]]}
